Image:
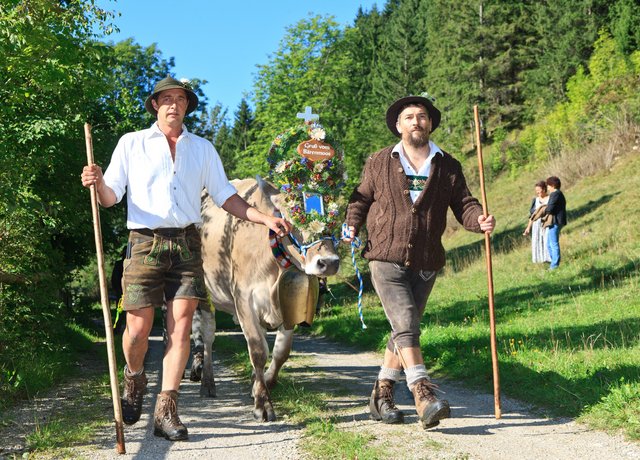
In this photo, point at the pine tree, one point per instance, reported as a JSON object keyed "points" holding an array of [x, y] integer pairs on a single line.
{"points": [[625, 25], [221, 138], [454, 66], [400, 67], [504, 32], [241, 138], [241, 135], [362, 44], [224, 146], [565, 32]]}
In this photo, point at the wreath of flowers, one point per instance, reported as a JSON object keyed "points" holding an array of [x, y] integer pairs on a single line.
{"points": [[294, 175]]}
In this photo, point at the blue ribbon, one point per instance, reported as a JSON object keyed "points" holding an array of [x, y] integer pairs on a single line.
{"points": [[304, 247], [355, 243]]}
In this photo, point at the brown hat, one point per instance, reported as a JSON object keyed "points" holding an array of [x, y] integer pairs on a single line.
{"points": [[394, 111], [171, 83]]}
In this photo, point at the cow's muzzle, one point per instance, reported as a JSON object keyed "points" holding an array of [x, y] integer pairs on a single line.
{"points": [[322, 265]]}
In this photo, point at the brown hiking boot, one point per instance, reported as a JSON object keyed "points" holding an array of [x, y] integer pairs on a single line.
{"points": [[430, 409], [166, 422], [134, 389], [381, 403]]}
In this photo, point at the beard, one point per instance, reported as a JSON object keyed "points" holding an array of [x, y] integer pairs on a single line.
{"points": [[416, 139]]}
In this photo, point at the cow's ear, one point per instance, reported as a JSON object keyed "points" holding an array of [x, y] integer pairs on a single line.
{"points": [[267, 187], [278, 201], [270, 191]]}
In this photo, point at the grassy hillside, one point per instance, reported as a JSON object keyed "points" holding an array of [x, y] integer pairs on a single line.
{"points": [[568, 340]]}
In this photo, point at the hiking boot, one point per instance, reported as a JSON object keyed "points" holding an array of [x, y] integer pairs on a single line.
{"points": [[430, 409], [196, 367], [134, 389], [381, 403], [166, 422]]}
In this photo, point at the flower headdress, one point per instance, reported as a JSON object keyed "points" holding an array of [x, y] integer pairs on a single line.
{"points": [[304, 180]]}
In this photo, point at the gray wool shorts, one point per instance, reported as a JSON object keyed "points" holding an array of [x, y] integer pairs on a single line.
{"points": [[403, 293]]}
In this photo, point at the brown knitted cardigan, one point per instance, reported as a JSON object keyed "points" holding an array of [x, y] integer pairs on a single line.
{"points": [[399, 230]]}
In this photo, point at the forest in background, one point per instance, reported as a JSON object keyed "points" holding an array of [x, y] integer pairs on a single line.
{"points": [[549, 77]]}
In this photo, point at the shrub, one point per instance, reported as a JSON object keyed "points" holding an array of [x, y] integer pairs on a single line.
{"points": [[588, 131]]}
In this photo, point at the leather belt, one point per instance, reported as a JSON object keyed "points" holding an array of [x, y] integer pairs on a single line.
{"points": [[165, 232]]}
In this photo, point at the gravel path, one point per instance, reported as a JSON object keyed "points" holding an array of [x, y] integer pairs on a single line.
{"points": [[224, 428]]}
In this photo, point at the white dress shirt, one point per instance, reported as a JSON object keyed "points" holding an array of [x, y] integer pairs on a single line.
{"points": [[424, 170], [162, 193]]}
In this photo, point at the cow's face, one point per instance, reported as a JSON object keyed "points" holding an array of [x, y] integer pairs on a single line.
{"points": [[321, 258]]}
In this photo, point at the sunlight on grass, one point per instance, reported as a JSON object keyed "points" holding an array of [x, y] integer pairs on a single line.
{"points": [[328, 442], [57, 433], [299, 404], [620, 409]]}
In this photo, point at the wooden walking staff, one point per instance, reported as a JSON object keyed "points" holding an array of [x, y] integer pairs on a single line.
{"points": [[487, 244], [104, 298]]}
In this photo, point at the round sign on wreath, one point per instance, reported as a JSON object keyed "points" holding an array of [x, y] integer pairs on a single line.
{"points": [[306, 165], [315, 150]]}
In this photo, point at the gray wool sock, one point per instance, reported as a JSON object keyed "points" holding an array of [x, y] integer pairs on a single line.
{"points": [[128, 373], [415, 373], [388, 373]]}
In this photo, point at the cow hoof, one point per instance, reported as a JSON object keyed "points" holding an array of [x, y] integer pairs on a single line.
{"points": [[208, 388], [196, 367], [266, 414], [208, 392], [271, 415], [196, 374]]}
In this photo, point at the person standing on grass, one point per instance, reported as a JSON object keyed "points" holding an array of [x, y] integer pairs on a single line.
{"points": [[163, 170], [403, 198], [556, 207], [539, 248]]}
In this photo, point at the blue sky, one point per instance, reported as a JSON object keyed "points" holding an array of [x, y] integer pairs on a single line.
{"points": [[221, 41]]}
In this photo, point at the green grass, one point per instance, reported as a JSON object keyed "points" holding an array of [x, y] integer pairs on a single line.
{"points": [[623, 400], [328, 442], [80, 415], [45, 364], [324, 439], [77, 422], [566, 339]]}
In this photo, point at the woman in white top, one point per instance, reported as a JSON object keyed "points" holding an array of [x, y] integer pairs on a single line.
{"points": [[539, 251]]}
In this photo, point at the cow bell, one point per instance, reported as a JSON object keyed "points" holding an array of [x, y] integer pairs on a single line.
{"points": [[298, 296]]}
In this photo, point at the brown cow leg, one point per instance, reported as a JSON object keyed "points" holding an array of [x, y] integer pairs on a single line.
{"points": [[280, 354], [258, 350], [208, 326]]}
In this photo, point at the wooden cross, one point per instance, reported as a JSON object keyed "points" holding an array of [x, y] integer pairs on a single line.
{"points": [[307, 116]]}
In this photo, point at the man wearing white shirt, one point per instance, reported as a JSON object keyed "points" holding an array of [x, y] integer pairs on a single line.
{"points": [[403, 198], [163, 170]]}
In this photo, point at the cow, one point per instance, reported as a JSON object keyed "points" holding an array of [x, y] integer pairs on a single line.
{"points": [[243, 278]]}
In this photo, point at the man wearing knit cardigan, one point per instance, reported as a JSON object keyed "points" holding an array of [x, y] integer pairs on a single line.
{"points": [[403, 198]]}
